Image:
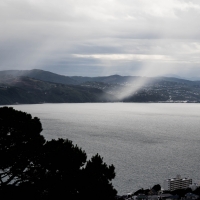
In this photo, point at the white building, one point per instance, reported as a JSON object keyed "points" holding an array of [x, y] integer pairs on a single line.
{"points": [[177, 183]]}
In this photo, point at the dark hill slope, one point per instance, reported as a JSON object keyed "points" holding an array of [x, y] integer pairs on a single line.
{"points": [[40, 75], [25, 90], [37, 86], [114, 79]]}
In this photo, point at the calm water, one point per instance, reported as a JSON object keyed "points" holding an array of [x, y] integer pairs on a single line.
{"points": [[147, 143]]}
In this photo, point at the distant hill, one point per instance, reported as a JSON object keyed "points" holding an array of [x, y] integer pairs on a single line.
{"points": [[39, 86], [25, 90], [115, 79], [77, 80], [69, 80], [40, 75], [194, 79]]}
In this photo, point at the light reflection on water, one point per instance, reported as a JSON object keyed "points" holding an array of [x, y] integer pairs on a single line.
{"points": [[146, 142]]}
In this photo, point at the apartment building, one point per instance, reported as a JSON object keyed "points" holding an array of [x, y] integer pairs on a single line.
{"points": [[177, 183]]}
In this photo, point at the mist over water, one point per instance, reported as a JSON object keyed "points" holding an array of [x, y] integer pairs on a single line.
{"points": [[146, 142]]}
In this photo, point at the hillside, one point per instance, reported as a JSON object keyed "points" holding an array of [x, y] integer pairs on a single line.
{"points": [[38, 86], [25, 90], [40, 75], [77, 80]]}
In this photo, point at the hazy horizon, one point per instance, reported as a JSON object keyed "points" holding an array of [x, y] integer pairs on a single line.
{"points": [[166, 75]]}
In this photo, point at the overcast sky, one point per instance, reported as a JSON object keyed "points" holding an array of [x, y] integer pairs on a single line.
{"points": [[101, 37]]}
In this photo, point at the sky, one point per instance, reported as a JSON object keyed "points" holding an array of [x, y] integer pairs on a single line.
{"points": [[101, 37]]}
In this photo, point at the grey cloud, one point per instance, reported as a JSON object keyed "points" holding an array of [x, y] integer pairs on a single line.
{"points": [[41, 34]]}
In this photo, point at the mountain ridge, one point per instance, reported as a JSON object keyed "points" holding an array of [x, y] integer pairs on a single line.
{"points": [[26, 90], [75, 80], [39, 86]]}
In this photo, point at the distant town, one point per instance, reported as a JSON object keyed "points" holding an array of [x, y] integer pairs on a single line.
{"points": [[163, 91], [172, 189]]}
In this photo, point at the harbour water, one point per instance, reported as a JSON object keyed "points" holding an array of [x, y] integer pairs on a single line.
{"points": [[146, 142]]}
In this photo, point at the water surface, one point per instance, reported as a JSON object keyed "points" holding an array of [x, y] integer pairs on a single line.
{"points": [[146, 142]]}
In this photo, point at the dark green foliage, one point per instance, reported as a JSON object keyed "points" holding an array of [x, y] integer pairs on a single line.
{"points": [[98, 176], [60, 168], [38, 169], [197, 191], [20, 142], [156, 187], [142, 191], [181, 192]]}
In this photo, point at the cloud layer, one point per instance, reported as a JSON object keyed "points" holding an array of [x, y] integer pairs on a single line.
{"points": [[92, 37]]}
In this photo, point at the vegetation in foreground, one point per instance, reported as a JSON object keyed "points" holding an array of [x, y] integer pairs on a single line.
{"points": [[33, 168]]}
